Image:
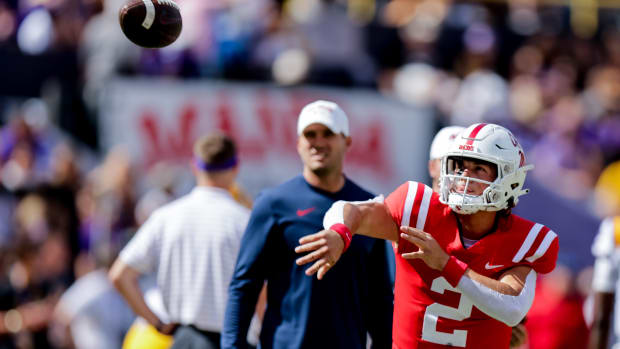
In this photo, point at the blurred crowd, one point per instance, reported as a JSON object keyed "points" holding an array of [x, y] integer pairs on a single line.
{"points": [[65, 215], [549, 73]]}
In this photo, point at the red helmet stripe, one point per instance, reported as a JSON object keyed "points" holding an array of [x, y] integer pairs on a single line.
{"points": [[474, 132]]}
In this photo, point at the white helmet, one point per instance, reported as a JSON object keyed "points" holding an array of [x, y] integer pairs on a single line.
{"points": [[443, 139], [493, 144]]}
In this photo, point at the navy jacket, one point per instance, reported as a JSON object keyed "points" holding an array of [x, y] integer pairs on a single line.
{"points": [[354, 298]]}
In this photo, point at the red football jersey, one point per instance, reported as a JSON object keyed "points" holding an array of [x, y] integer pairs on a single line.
{"points": [[428, 311]]}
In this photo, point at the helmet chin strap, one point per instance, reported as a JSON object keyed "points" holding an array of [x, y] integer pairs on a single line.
{"points": [[472, 207], [463, 203], [460, 210]]}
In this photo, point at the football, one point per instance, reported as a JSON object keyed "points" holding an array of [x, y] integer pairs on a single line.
{"points": [[151, 23]]}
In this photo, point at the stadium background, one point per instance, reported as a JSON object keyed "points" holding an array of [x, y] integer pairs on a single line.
{"points": [[97, 132]]}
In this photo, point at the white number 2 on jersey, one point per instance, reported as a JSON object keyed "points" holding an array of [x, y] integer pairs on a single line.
{"points": [[457, 338]]}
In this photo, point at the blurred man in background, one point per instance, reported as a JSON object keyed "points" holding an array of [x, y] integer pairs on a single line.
{"points": [[301, 312], [191, 245], [440, 145], [607, 263]]}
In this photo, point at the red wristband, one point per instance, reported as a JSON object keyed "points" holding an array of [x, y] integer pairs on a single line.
{"points": [[454, 270], [344, 233]]}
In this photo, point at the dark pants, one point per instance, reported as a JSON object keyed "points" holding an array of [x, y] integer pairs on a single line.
{"points": [[189, 337]]}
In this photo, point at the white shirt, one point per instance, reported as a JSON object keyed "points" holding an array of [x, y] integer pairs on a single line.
{"points": [[98, 316], [606, 250], [192, 245]]}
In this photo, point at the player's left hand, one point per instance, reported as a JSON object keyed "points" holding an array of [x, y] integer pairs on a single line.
{"points": [[326, 247], [429, 250], [518, 336]]}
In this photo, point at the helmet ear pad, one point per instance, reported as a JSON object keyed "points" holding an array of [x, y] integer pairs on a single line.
{"points": [[495, 145]]}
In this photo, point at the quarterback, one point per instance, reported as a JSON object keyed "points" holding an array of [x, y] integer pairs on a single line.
{"points": [[466, 266]]}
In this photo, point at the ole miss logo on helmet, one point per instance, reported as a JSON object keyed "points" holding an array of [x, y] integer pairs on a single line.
{"points": [[472, 136]]}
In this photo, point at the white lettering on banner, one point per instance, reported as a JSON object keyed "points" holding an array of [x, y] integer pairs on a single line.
{"points": [[159, 121]]}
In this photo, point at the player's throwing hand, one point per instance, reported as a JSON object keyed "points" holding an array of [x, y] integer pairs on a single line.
{"points": [[327, 247], [429, 250]]}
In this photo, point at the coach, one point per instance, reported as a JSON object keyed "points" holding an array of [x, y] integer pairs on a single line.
{"points": [[303, 312], [191, 244]]}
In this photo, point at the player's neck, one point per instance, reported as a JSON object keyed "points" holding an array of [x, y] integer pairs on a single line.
{"points": [[331, 182], [476, 226]]}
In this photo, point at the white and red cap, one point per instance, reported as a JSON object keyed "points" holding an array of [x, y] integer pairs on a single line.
{"points": [[442, 141], [324, 113]]}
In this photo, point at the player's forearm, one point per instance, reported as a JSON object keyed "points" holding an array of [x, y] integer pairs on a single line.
{"points": [[498, 299], [493, 284], [352, 216], [368, 218], [376, 222]]}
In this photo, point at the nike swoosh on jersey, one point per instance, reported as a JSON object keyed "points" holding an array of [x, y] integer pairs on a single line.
{"points": [[491, 266], [302, 213]]}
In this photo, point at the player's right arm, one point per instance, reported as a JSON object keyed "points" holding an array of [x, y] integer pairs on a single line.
{"points": [[249, 275], [374, 218], [604, 281], [369, 218]]}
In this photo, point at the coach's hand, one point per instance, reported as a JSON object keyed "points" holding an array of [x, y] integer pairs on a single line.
{"points": [[327, 246], [429, 250], [167, 329]]}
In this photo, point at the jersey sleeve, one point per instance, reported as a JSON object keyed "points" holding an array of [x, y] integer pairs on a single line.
{"points": [[250, 272], [409, 206], [604, 247], [395, 202], [142, 251], [539, 249], [546, 263]]}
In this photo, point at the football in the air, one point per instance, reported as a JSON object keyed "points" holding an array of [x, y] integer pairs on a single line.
{"points": [[151, 23]]}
